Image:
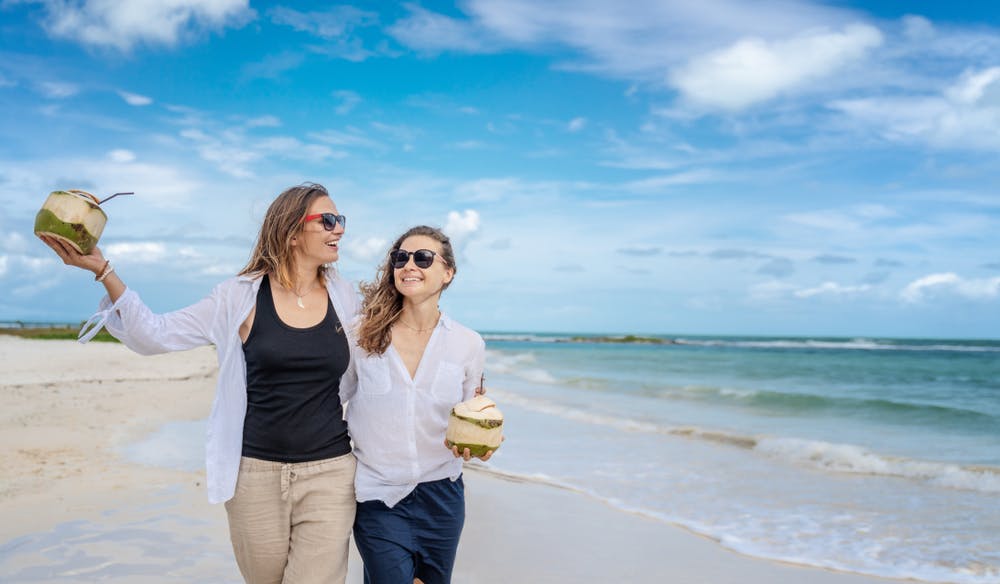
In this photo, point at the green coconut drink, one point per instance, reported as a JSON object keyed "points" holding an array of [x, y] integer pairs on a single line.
{"points": [[72, 216], [476, 424]]}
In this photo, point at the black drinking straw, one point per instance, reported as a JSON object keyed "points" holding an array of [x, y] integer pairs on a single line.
{"points": [[111, 197]]}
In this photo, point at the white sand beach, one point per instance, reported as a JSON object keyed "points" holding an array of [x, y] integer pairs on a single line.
{"points": [[77, 505]]}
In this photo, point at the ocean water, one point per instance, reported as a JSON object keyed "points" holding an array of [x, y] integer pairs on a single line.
{"points": [[876, 456]]}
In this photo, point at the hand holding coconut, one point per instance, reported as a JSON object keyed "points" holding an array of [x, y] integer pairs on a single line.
{"points": [[475, 428], [71, 222]]}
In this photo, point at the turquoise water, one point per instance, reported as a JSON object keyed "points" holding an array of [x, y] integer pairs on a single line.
{"points": [[879, 456]]}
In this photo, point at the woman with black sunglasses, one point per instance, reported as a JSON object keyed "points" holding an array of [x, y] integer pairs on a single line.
{"points": [[278, 451], [413, 365]]}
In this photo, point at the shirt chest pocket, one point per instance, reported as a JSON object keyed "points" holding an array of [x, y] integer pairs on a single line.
{"points": [[373, 376], [448, 381]]}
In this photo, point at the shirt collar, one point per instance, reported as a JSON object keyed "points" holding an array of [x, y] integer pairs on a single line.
{"points": [[445, 321]]}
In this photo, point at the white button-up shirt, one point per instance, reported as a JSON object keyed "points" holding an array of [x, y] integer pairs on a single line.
{"points": [[214, 320], [397, 422]]}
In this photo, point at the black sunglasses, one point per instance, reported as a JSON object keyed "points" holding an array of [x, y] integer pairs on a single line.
{"points": [[330, 220], [422, 258]]}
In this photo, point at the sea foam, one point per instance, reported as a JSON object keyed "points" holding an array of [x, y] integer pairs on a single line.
{"points": [[820, 455]]}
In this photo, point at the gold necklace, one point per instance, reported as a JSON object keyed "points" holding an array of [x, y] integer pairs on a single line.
{"points": [[420, 330], [298, 297]]}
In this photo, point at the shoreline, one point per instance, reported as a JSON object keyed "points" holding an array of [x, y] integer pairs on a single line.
{"points": [[70, 497]]}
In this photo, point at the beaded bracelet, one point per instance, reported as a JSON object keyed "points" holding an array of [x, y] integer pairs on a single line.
{"points": [[108, 268]]}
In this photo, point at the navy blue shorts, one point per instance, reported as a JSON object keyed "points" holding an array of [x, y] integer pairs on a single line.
{"points": [[418, 538]]}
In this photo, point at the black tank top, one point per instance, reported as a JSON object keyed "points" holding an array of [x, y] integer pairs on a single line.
{"points": [[294, 412]]}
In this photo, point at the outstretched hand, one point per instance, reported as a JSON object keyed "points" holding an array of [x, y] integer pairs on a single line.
{"points": [[93, 261]]}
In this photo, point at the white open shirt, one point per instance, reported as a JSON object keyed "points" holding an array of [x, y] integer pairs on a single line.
{"points": [[398, 423]]}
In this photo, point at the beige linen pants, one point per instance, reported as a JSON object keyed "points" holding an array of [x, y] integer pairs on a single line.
{"points": [[290, 523]]}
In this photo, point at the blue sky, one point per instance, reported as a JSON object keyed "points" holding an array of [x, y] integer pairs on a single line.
{"points": [[713, 167]]}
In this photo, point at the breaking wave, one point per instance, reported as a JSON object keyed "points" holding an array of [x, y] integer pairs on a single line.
{"points": [[804, 403], [820, 455]]}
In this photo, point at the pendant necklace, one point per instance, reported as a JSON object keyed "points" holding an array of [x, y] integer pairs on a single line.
{"points": [[298, 297]]}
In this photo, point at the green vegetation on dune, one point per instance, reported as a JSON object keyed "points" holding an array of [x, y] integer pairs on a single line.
{"points": [[624, 339], [54, 332]]}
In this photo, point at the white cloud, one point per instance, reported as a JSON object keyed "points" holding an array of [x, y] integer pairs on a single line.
{"points": [[576, 124], [461, 227], [295, 149], [143, 252], [234, 160], [964, 115], [917, 28], [334, 23], [832, 289], [489, 189], [512, 189], [123, 25], [659, 183], [754, 70], [367, 249], [462, 223], [135, 99], [974, 85], [469, 145], [348, 101], [238, 154], [14, 242], [58, 89], [121, 156], [874, 212], [264, 122], [770, 290], [3, 265], [351, 138], [159, 186], [223, 269], [642, 41], [335, 26], [434, 33], [398, 133], [272, 66], [846, 221], [949, 283]]}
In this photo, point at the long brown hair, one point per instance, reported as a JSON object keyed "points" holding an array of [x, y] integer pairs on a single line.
{"points": [[383, 303], [272, 254]]}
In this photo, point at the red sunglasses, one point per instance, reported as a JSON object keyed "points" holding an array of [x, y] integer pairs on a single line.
{"points": [[330, 220]]}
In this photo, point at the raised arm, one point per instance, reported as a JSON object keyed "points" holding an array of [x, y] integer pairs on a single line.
{"points": [[127, 318]]}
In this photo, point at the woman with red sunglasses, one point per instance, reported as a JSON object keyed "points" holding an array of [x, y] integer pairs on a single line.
{"points": [[413, 364], [278, 451]]}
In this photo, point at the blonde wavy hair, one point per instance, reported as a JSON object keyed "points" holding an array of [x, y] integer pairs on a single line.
{"points": [[383, 303], [272, 253]]}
